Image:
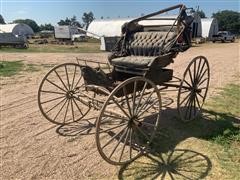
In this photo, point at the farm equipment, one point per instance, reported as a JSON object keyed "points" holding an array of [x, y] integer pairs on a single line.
{"points": [[9, 39], [126, 90]]}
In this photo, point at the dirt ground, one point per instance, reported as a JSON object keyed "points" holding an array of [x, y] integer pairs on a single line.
{"points": [[32, 148]]}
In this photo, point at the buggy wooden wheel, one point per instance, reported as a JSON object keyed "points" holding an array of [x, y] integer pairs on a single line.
{"points": [[193, 89], [59, 94], [128, 121]]}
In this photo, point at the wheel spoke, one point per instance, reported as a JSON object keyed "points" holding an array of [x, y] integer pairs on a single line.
{"points": [[120, 107], [142, 93], [198, 69], [112, 128], [67, 77], [65, 115], [109, 141], [55, 85], [198, 103], [130, 144], [72, 109], [52, 92], [141, 131], [200, 72], [55, 105], [119, 141], [116, 117], [77, 106], [145, 102], [60, 80], [200, 95], [200, 83], [124, 145], [194, 72], [202, 75], [75, 68], [187, 106], [146, 123], [147, 108], [187, 83], [60, 110], [190, 75], [134, 95], [185, 98], [126, 97], [53, 99], [78, 82]]}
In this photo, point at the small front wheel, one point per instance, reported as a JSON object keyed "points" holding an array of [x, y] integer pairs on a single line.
{"points": [[59, 94], [128, 121]]}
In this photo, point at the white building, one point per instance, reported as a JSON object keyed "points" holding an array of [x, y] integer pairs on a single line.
{"points": [[112, 27], [209, 27], [19, 29]]}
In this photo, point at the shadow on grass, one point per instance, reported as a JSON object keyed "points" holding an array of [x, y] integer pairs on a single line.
{"points": [[176, 164], [165, 161]]}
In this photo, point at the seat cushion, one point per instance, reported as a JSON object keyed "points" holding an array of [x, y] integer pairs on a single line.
{"points": [[148, 43], [133, 61]]}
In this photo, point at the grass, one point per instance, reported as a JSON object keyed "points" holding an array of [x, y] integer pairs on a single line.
{"points": [[11, 68], [82, 47]]}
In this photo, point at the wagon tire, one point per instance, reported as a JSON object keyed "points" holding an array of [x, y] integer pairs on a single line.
{"points": [[193, 89], [127, 124], [58, 94]]}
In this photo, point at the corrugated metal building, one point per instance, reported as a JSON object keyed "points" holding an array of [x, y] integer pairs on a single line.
{"points": [[19, 29], [209, 27]]}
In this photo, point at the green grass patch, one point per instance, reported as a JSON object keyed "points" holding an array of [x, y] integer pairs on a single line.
{"points": [[10, 68], [81, 47], [225, 107]]}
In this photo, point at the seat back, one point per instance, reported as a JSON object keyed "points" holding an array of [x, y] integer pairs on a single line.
{"points": [[148, 43]]}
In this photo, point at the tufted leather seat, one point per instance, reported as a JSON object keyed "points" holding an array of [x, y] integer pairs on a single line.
{"points": [[143, 48]]}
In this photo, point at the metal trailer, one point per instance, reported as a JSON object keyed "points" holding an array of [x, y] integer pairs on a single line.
{"points": [[9, 39], [126, 91]]}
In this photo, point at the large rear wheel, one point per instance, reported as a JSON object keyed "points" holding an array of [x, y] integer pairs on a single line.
{"points": [[128, 121], [193, 89]]}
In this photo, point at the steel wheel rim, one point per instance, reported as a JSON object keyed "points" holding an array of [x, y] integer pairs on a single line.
{"points": [[128, 130], [67, 90], [199, 82]]}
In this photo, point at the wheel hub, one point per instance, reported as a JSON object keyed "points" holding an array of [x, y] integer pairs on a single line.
{"points": [[133, 121], [70, 94]]}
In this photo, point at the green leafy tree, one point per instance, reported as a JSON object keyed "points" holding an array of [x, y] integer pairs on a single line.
{"points": [[201, 13], [48, 27], [2, 20], [87, 18], [228, 21], [29, 22], [70, 22]]}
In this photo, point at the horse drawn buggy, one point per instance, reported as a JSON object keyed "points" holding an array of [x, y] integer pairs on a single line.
{"points": [[126, 90]]}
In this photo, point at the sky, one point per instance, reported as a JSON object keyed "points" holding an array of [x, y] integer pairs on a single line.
{"points": [[51, 11]]}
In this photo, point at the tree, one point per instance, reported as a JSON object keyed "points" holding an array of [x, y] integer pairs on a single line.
{"points": [[29, 22], [70, 22], [87, 18], [2, 20], [48, 27], [201, 13], [228, 21]]}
